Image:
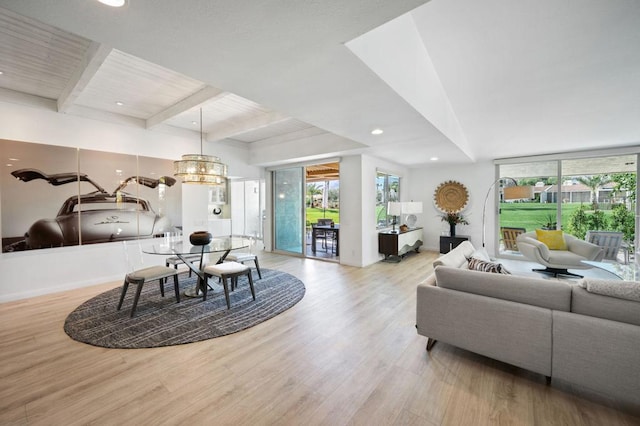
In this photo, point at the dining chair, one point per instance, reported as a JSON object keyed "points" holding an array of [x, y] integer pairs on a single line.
{"points": [[323, 235], [138, 275], [224, 271], [175, 260], [249, 256]]}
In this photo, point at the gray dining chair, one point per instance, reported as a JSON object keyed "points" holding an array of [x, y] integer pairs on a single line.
{"points": [[138, 275], [227, 271], [249, 256]]}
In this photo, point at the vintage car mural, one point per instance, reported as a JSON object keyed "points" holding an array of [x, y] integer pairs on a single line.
{"points": [[95, 217]]}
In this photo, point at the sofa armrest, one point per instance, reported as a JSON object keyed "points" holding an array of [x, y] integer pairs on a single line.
{"points": [[584, 248], [430, 280], [599, 354], [515, 333]]}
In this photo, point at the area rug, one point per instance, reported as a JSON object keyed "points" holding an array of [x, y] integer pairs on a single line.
{"points": [[160, 321]]}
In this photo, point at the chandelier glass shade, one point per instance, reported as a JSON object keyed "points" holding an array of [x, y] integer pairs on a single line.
{"points": [[199, 168], [202, 169]]}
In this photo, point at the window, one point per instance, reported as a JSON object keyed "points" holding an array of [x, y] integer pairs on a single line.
{"points": [[576, 195], [387, 189]]}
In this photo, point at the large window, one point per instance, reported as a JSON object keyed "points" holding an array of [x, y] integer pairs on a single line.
{"points": [[575, 195], [387, 189]]}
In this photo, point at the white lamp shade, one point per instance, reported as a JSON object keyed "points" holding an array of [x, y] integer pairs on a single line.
{"points": [[394, 208]]}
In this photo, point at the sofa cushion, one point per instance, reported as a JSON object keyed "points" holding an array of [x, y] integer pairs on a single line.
{"points": [[476, 264], [533, 291], [481, 254], [457, 257], [611, 308], [552, 239], [629, 290]]}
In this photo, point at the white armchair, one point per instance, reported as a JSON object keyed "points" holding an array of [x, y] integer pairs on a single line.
{"points": [[557, 262]]}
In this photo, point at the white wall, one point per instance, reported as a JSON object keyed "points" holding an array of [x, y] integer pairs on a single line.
{"points": [[477, 178], [27, 274], [352, 206]]}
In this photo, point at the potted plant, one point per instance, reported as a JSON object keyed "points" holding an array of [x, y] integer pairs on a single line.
{"points": [[549, 222], [453, 219]]}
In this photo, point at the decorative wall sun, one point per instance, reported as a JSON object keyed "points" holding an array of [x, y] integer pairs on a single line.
{"points": [[451, 196]]}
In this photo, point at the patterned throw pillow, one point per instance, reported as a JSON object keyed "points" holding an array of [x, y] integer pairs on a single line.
{"points": [[552, 239], [484, 266]]}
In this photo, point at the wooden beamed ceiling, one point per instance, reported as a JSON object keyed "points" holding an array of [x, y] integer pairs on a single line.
{"points": [[323, 172]]}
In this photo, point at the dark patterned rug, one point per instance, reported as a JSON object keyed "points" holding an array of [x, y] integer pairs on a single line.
{"points": [[160, 321]]}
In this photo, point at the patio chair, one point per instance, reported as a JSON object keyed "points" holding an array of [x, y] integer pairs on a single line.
{"points": [[509, 236], [610, 241]]}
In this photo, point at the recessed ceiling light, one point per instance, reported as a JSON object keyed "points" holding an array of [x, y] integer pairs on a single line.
{"points": [[1, 72], [433, 158], [14, 159], [119, 103], [113, 3], [194, 122], [9, 164], [377, 131]]}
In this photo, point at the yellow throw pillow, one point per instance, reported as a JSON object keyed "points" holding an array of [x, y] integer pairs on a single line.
{"points": [[552, 239]]}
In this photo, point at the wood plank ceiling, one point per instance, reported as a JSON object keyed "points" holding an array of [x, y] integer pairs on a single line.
{"points": [[39, 60], [323, 172]]}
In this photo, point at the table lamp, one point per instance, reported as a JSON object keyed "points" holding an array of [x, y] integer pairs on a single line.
{"points": [[394, 209]]}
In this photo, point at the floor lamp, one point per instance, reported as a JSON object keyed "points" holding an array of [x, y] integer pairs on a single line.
{"points": [[509, 193]]}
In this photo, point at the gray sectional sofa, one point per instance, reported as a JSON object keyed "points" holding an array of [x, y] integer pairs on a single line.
{"points": [[554, 328]]}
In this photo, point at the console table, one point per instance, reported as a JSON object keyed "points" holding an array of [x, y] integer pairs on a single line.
{"points": [[399, 243], [449, 243]]}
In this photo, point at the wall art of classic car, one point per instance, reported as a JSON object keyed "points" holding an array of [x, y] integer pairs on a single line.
{"points": [[96, 217]]}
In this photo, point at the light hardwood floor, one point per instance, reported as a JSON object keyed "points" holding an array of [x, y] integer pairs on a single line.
{"points": [[348, 353]]}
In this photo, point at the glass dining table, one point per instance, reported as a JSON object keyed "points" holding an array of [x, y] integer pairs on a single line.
{"points": [[182, 247]]}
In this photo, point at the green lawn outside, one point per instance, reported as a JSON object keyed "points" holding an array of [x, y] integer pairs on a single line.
{"points": [[313, 214], [518, 215], [534, 215]]}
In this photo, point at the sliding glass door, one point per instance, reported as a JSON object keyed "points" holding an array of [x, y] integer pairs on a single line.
{"points": [[288, 204]]}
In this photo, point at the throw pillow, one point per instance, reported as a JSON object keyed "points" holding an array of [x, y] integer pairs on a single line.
{"points": [[484, 266], [552, 239], [481, 254]]}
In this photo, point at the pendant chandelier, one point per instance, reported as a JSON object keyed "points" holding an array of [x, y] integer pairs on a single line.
{"points": [[199, 168]]}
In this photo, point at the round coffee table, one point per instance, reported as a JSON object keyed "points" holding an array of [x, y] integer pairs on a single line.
{"points": [[629, 272]]}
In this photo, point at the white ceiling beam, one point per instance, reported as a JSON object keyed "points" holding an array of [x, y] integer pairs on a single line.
{"points": [[21, 98], [229, 129], [93, 59], [201, 96]]}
